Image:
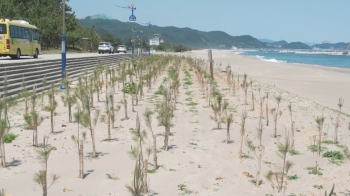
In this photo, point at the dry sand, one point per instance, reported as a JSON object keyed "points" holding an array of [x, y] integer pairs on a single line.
{"points": [[199, 157]]}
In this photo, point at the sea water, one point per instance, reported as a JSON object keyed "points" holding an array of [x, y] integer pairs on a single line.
{"points": [[328, 60]]}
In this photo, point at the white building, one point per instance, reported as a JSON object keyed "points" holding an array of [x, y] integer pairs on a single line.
{"points": [[156, 40]]}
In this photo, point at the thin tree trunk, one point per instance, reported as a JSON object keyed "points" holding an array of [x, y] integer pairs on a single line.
{"points": [[155, 166], [137, 99], [253, 100], [44, 185], [51, 122], [36, 135], [69, 110], [109, 126], [166, 138], [81, 159], [132, 103], [241, 147], [2, 151], [126, 108], [26, 105], [292, 137], [257, 183], [276, 118], [267, 112], [98, 94], [336, 132], [228, 133], [144, 180], [93, 143], [275, 127]]}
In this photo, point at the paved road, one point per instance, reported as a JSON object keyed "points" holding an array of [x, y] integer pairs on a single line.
{"points": [[44, 57]]}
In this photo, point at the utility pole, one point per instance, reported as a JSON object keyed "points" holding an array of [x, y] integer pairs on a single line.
{"points": [[141, 43], [132, 19], [63, 44]]}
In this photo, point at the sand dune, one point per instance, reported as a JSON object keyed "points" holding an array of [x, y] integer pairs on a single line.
{"points": [[199, 160]]}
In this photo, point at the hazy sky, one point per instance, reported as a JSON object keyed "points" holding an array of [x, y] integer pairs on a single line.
{"points": [[291, 20]]}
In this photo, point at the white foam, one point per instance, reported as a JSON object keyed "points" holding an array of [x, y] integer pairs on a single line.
{"points": [[269, 60]]}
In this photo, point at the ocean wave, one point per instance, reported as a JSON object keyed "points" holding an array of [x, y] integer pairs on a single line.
{"points": [[269, 60]]}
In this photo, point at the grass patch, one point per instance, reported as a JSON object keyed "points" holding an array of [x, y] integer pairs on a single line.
{"points": [[188, 82], [112, 177], [293, 177], [188, 99], [336, 157], [318, 186], [151, 171], [160, 134], [160, 90], [192, 104], [313, 148], [10, 137], [340, 146], [312, 170], [188, 93], [327, 142], [294, 152], [267, 162], [184, 190]]}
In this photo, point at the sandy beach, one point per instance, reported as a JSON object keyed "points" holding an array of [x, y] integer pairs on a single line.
{"points": [[199, 161]]}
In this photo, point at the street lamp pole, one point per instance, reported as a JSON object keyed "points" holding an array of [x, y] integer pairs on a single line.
{"points": [[141, 43], [149, 37], [132, 19], [63, 44]]}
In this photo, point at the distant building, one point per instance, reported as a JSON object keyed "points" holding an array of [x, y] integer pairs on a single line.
{"points": [[156, 40]]}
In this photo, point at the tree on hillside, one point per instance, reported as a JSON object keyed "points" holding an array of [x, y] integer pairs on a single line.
{"points": [[50, 26]]}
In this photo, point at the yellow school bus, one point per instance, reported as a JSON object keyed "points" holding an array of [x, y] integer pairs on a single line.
{"points": [[18, 38]]}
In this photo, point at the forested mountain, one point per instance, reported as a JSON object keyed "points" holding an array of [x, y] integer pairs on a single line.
{"points": [[337, 46], [296, 45], [47, 16], [174, 35]]}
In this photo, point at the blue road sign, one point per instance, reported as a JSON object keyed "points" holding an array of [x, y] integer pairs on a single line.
{"points": [[132, 18]]}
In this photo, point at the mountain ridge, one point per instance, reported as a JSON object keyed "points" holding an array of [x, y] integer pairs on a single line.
{"points": [[192, 37]]}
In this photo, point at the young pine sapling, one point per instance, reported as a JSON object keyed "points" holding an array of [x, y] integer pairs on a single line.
{"points": [[276, 113], [79, 142], [4, 130], [165, 112], [243, 118], [338, 121], [148, 119], [41, 177], [33, 119], [51, 107]]}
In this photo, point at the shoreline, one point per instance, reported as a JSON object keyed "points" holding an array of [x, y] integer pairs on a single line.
{"points": [[274, 60], [324, 67], [321, 84]]}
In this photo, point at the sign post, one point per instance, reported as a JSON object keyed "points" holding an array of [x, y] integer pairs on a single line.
{"points": [[63, 45], [132, 19]]}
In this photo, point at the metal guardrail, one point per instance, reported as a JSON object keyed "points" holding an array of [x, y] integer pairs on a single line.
{"points": [[33, 73]]}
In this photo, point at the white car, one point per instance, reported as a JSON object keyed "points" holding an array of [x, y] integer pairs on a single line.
{"points": [[105, 47], [121, 48]]}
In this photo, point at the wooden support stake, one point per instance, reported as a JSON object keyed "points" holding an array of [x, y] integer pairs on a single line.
{"points": [[211, 64]]}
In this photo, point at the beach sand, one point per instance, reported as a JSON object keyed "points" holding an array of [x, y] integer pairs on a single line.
{"points": [[199, 159]]}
